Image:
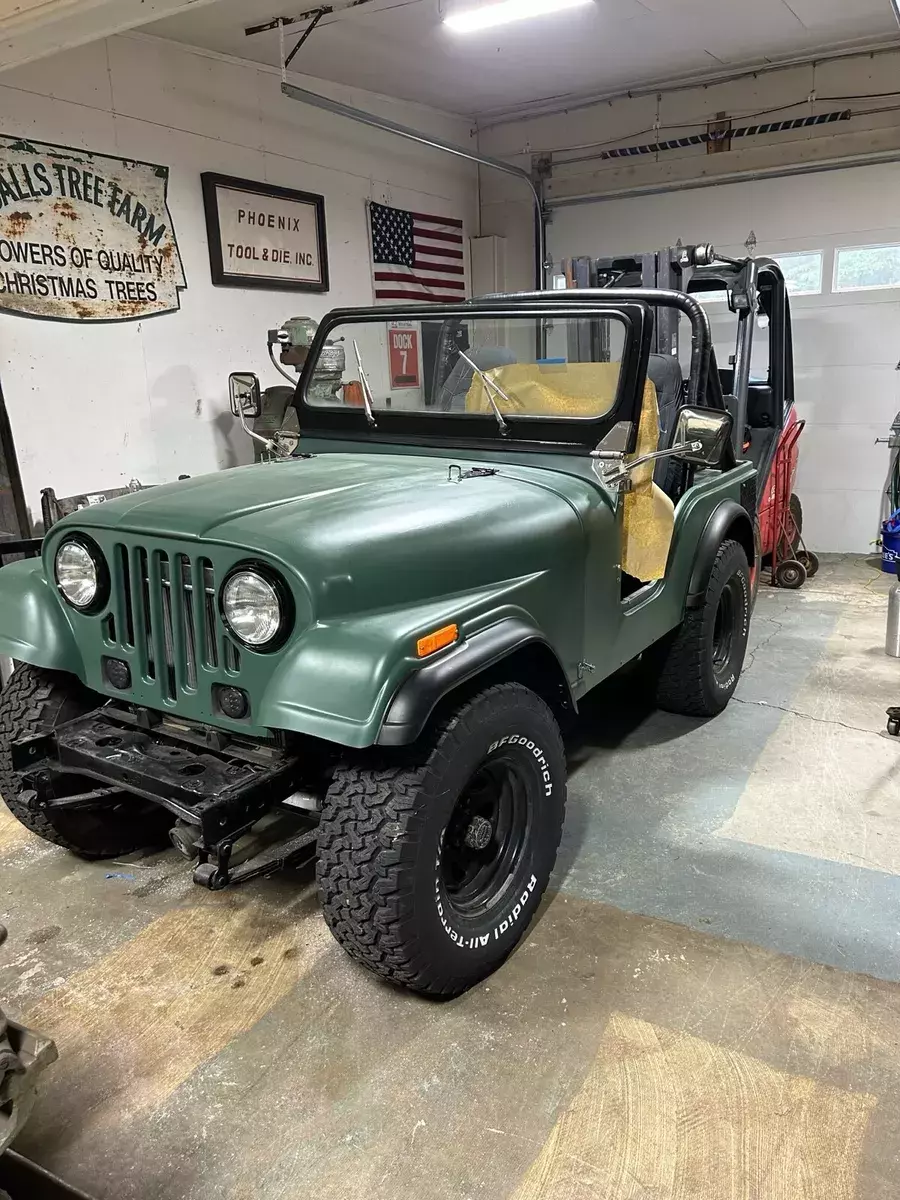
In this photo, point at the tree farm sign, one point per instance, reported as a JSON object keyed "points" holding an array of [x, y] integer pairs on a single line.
{"points": [[84, 237]]}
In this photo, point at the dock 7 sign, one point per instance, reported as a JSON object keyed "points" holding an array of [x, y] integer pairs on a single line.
{"points": [[84, 237]]}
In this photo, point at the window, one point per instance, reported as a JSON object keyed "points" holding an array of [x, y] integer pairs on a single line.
{"points": [[480, 362], [802, 272], [711, 297], [860, 268]]}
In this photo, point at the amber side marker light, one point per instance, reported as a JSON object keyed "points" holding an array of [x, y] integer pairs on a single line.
{"points": [[445, 636]]}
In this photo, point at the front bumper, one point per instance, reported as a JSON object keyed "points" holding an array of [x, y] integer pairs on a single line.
{"points": [[218, 787]]}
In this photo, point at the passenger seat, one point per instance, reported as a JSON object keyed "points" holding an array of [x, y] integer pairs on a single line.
{"points": [[664, 372]]}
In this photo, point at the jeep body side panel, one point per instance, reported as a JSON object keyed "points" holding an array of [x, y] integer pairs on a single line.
{"points": [[650, 615], [616, 631]]}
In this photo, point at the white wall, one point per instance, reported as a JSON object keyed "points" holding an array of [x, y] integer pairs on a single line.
{"points": [[93, 406], [847, 347], [769, 96]]}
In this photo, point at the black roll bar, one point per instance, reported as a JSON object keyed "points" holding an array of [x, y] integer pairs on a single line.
{"points": [[701, 383]]}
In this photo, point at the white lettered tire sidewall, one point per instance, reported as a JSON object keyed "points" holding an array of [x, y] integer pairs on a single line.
{"points": [[542, 769], [382, 833]]}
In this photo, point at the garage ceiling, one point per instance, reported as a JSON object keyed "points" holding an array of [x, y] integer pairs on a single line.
{"points": [[400, 47]]}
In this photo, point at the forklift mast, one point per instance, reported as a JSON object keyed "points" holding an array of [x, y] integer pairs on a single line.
{"points": [[755, 290]]}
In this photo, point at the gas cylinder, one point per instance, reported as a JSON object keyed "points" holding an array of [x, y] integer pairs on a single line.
{"points": [[892, 640]]}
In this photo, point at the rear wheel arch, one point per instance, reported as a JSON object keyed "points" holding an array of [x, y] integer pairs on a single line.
{"points": [[730, 522]]}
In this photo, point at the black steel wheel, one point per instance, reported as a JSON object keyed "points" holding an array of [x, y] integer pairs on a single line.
{"points": [[34, 701], [485, 835], [430, 873], [790, 574], [809, 561]]}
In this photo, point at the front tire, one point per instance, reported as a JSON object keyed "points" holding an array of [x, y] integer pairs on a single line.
{"points": [[430, 874], [33, 702], [702, 662]]}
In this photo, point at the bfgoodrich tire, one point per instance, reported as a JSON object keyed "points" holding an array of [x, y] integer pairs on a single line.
{"points": [[33, 702], [701, 663], [430, 874]]}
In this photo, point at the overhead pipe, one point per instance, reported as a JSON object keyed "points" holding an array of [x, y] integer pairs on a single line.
{"points": [[436, 143]]}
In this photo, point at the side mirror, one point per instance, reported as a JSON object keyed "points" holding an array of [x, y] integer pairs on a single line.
{"points": [[245, 396], [708, 427]]}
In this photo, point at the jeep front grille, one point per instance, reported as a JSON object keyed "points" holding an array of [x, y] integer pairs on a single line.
{"points": [[165, 613]]}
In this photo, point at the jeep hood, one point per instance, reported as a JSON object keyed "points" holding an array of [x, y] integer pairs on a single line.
{"points": [[381, 526]]}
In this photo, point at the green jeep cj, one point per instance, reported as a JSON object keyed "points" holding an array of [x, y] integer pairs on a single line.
{"points": [[364, 649]]}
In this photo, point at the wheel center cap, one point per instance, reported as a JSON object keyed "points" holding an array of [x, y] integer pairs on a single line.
{"points": [[479, 833]]}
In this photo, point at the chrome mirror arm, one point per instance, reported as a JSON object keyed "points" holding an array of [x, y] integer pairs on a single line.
{"points": [[617, 471], [257, 437]]}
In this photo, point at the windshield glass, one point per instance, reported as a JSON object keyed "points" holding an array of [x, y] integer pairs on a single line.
{"points": [[522, 366]]}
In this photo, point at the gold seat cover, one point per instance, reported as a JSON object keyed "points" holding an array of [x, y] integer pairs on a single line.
{"points": [[589, 390]]}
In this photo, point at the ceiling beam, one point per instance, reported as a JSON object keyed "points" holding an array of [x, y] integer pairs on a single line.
{"points": [[33, 29]]}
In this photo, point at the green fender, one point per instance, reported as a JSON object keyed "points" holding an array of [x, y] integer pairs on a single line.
{"points": [[35, 629], [338, 681]]}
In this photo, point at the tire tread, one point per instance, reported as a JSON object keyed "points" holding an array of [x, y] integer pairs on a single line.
{"points": [[366, 840], [680, 682], [30, 704]]}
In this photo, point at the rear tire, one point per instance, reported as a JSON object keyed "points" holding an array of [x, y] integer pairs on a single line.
{"points": [[430, 873], [33, 702], [700, 665]]}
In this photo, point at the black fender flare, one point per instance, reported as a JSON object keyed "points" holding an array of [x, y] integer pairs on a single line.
{"points": [[416, 698], [728, 520]]}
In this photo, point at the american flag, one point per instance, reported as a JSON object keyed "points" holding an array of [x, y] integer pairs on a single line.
{"points": [[415, 256]]}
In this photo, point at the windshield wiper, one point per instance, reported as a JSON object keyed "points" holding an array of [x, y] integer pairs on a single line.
{"points": [[366, 390], [489, 388]]}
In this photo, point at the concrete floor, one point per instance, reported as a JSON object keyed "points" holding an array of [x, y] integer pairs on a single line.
{"points": [[707, 1008]]}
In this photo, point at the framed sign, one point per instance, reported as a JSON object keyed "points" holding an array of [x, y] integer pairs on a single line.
{"points": [[264, 236], [403, 352]]}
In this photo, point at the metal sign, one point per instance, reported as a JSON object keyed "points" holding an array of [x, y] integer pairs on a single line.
{"points": [[84, 237], [403, 351]]}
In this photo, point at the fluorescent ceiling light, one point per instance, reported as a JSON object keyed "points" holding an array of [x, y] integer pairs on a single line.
{"points": [[485, 17]]}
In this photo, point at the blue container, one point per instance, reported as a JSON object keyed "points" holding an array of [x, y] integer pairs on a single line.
{"points": [[890, 551]]}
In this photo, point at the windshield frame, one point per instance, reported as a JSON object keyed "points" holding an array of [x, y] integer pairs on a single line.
{"points": [[452, 428]]}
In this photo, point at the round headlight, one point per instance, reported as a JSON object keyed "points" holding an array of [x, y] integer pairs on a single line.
{"points": [[252, 607], [76, 574]]}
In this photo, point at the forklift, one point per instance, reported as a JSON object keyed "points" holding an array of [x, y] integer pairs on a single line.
{"points": [[757, 376]]}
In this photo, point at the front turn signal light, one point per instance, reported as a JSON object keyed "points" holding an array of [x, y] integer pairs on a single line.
{"points": [[445, 636]]}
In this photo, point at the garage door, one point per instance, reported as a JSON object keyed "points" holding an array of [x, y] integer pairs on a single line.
{"points": [[837, 235]]}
